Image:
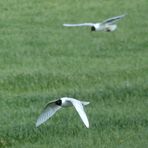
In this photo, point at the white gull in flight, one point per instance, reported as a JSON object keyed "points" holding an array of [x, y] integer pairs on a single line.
{"points": [[52, 107], [107, 25]]}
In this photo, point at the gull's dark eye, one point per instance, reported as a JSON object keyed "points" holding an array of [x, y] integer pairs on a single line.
{"points": [[58, 102]]}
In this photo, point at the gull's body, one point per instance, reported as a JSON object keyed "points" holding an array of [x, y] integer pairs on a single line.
{"points": [[52, 107], [107, 25]]}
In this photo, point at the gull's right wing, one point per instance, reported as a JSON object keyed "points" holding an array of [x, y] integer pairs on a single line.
{"points": [[78, 25], [50, 109]]}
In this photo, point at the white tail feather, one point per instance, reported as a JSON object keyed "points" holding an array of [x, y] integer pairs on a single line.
{"points": [[85, 103]]}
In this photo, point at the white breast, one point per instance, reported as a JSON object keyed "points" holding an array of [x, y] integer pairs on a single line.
{"points": [[65, 102], [98, 26]]}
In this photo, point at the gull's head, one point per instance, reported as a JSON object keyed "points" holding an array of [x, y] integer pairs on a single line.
{"points": [[58, 102], [96, 27], [93, 28]]}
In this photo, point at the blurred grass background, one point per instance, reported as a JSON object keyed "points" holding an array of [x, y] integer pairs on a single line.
{"points": [[41, 60]]}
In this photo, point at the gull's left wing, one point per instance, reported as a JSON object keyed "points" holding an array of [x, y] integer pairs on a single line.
{"points": [[79, 108], [113, 19]]}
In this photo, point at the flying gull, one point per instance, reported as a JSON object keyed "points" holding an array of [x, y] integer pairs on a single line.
{"points": [[52, 107], [107, 25]]}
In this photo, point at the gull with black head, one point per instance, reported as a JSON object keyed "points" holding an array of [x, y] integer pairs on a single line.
{"points": [[52, 107], [107, 25]]}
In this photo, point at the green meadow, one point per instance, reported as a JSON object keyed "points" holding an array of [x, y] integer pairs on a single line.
{"points": [[40, 60]]}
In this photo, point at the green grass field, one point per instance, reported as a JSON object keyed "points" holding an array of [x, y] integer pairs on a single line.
{"points": [[40, 60]]}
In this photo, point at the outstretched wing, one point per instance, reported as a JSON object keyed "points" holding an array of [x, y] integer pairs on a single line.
{"points": [[79, 108], [49, 110], [113, 19], [78, 25]]}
